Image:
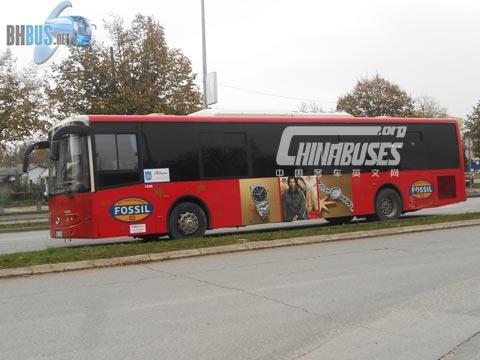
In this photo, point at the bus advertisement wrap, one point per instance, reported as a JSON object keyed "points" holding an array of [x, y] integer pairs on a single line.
{"points": [[149, 176]]}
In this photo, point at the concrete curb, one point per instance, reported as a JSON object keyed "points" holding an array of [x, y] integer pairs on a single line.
{"points": [[473, 194], [245, 246]]}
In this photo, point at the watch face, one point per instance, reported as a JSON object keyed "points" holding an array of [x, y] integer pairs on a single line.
{"points": [[259, 194], [335, 193]]}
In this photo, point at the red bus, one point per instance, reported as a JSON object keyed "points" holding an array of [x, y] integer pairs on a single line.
{"points": [[152, 175]]}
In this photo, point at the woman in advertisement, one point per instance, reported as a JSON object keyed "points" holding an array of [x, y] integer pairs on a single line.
{"points": [[311, 201]]}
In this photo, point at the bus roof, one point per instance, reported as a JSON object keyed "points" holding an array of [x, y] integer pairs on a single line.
{"points": [[269, 113], [261, 119]]}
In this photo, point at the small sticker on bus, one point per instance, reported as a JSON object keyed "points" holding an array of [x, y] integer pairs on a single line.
{"points": [[156, 175], [138, 228], [421, 189]]}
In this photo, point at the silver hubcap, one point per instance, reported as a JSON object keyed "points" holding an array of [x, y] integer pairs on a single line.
{"points": [[388, 206], [188, 223]]}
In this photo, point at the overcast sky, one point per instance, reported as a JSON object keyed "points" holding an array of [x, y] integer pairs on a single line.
{"points": [[276, 54]]}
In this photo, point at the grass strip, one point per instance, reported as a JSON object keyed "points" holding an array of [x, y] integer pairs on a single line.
{"points": [[93, 252], [23, 226]]}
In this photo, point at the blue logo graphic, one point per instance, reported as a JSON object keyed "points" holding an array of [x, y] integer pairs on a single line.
{"points": [[62, 30], [57, 30]]}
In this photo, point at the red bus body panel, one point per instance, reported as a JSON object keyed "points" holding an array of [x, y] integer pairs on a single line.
{"points": [[366, 187], [221, 197]]}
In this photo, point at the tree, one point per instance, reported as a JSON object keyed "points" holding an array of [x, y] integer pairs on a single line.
{"points": [[311, 107], [472, 127], [427, 107], [138, 74], [22, 102], [376, 97], [13, 156]]}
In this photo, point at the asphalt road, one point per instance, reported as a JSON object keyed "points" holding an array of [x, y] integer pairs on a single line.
{"points": [[411, 296], [39, 240]]}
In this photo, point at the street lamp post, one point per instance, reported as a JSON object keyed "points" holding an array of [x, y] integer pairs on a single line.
{"points": [[204, 55]]}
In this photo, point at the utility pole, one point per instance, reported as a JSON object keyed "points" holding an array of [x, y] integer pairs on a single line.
{"points": [[204, 53]]}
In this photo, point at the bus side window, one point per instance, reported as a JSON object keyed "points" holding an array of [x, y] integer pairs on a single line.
{"points": [[224, 155], [127, 152], [414, 152], [106, 152], [117, 159]]}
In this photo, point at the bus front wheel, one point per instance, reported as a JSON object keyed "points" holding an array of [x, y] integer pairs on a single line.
{"points": [[187, 220], [388, 205]]}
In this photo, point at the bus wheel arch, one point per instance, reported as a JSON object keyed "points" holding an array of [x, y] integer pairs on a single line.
{"points": [[388, 203], [188, 217]]}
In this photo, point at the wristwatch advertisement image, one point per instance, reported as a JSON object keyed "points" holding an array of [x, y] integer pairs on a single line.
{"points": [[260, 197], [279, 199], [335, 191]]}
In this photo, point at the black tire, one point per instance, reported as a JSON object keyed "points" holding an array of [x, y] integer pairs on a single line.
{"points": [[388, 205], [339, 220], [187, 220], [371, 217], [150, 237]]}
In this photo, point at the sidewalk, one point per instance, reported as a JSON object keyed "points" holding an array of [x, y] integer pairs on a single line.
{"points": [[6, 210], [11, 215], [19, 218], [473, 193], [223, 249]]}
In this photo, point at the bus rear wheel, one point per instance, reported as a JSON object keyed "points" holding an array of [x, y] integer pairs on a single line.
{"points": [[187, 220], [388, 205]]}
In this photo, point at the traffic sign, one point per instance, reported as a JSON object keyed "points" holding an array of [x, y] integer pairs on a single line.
{"points": [[468, 153], [468, 143]]}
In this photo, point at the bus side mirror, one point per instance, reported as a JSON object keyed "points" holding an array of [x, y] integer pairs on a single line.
{"points": [[54, 150]]}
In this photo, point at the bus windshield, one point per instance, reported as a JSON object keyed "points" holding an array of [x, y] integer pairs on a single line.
{"points": [[69, 172]]}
